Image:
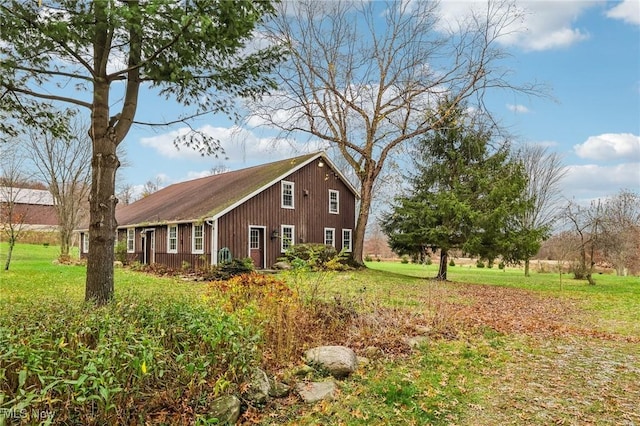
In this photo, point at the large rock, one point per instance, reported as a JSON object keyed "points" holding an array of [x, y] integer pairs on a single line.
{"points": [[259, 387], [316, 391], [339, 361], [225, 409]]}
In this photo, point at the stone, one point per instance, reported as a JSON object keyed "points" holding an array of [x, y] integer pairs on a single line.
{"points": [[259, 387], [316, 391], [363, 361], [339, 361], [416, 341], [284, 266], [117, 264], [278, 389], [225, 409], [373, 352], [304, 370]]}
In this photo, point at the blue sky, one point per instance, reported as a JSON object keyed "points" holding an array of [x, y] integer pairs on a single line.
{"points": [[587, 52]]}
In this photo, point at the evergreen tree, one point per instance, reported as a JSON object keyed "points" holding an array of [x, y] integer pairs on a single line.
{"points": [[466, 194]]}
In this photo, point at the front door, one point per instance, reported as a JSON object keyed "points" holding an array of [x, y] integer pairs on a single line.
{"points": [[256, 246], [149, 246]]}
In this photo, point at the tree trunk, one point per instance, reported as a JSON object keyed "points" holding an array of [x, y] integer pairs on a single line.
{"points": [[102, 221], [361, 224], [526, 268], [65, 242], [444, 262], [12, 243]]}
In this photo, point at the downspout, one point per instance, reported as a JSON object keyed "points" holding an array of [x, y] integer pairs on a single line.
{"points": [[214, 240]]}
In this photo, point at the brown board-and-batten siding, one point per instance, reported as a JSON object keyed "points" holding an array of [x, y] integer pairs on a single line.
{"points": [[184, 256], [310, 215]]}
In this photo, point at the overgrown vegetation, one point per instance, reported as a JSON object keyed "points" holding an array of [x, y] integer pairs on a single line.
{"points": [[129, 362]]}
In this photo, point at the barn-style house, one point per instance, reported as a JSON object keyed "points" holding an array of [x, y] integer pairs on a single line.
{"points": [[257, 212]]}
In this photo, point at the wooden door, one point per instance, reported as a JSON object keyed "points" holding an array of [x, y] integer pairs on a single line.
{"points": [[256, 246]]}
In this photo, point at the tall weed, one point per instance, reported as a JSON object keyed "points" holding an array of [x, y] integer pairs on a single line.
{"points": [[119, 364]]}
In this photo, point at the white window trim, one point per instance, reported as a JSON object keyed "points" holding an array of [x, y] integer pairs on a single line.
{"points": [[293, 197], [282, 240], [85, 242], [131, 239], [193, 238], [333, 239], [169, 249], [349, 248], [333, 191]]}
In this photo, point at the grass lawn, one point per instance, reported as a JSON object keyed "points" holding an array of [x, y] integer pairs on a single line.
{"points": [[498, 348], [33, 274]]}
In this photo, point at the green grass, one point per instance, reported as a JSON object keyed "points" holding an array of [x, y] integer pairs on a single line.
{"points": [[33, 273]]}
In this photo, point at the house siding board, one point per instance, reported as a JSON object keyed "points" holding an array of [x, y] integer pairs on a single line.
{"points": [[310, 216]]}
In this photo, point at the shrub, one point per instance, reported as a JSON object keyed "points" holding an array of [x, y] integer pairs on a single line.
{"points": [[121, 252], [479, 264], [404, 259], [501, 265], [316, 256], [428, 261], [452, 262], [275, 307], [125, 363], [368, 258]]}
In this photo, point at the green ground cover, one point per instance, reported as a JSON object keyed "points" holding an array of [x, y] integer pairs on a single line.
{"points": [[499, 348]]}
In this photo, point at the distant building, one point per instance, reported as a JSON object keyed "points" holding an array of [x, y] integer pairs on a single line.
{"points": [[34, 208]]}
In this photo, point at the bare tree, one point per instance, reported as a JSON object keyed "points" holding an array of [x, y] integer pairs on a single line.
{"points": [[65, 165], [366, 77], [585, 222], [545, 171], [12, 215], [151, 186], [125, 193], [620, 230]]}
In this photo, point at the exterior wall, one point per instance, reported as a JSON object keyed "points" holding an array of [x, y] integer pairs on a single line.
{"points": [[310, 215], [161, 255], [33, 214]]}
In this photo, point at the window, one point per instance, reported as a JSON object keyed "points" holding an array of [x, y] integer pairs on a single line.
{"points": [[254, 239], [329, 236], [334, 201], [287, 194], [172, 239], [131, 240], [287, 238], [346, 240], [85, 242], [197, 244]]}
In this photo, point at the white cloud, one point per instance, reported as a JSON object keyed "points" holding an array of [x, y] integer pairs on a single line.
{"points": [[242, 147], [589, 182], [627, 10], [610, 146], [521, 109], [544, 24]]}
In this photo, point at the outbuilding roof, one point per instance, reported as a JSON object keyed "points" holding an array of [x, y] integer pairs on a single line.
{"points": [[212, 196]]}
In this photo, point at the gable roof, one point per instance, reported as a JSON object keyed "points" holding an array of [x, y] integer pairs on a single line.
{"points": [[212, 196]]}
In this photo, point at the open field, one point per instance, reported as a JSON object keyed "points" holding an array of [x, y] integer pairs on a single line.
{"points": [[497, 347]]}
